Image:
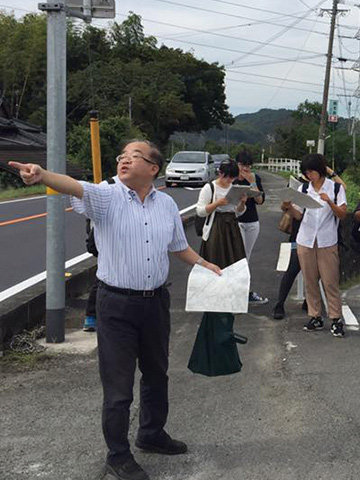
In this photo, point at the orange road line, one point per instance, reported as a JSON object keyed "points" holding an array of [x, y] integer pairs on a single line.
{"points": [[25, 219]]}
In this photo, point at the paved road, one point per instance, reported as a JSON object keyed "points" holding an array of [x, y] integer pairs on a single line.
{"points": [[23, 245], [291, 414]]}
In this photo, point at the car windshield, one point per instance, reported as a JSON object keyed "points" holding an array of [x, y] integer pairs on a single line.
{"points": [[189, 157], [220, 157]]}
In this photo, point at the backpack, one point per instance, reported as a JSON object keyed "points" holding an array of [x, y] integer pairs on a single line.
{"points": [[90, 238], [201, 221], [337, 185]]}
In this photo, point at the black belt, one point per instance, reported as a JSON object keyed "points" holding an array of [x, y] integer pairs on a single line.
{"points": [[129, 291]]}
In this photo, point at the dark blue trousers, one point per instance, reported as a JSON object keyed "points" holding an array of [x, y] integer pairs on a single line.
{"points": [[133, 329]]}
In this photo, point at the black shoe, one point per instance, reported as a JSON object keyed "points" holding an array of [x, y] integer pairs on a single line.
{"points": [[126, 470], [304, 306], [315, 323], [337, 328], [163, 444], [240, 338], [278, 312]]}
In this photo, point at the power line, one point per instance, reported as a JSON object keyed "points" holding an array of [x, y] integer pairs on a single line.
{"points": [[233, 15], [271, 39], [272, 86], [277, 78], [239, 51], [209, 32]]}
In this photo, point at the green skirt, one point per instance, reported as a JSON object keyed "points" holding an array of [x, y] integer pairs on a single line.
{"points": [[224, 245]]}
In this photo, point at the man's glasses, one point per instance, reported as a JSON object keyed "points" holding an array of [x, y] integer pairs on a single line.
{"points": [[133, 157]]}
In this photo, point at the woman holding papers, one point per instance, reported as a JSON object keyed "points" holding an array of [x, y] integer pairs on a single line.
{"points": [[215, 350], [249, 222], [317, 243], [221, 238]]}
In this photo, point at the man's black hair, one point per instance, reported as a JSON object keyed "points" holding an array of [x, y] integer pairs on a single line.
{"points": [[229, 168], [314, 161], [245, 158]]}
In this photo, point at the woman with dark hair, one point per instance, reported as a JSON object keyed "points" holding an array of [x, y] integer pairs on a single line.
{"points": [[249, 222], [294, 266], [317, 243], [221, 238]]}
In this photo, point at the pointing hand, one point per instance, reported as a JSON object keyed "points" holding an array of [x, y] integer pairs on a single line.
{"points": [[29, 172]]}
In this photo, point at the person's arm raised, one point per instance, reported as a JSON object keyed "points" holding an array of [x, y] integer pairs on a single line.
{"points": [[32, 173]]}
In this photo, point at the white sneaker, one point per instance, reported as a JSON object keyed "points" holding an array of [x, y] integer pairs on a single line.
{"points": [[256, 299]]}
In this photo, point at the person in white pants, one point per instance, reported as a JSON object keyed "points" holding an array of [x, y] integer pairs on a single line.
{"points": [[249, 221]]}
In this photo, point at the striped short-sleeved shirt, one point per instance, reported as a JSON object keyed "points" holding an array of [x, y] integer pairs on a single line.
{"points": [[133, 238]]}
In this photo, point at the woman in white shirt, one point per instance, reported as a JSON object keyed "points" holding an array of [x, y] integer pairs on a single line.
{"points": [[221, 238], [317, 243]]}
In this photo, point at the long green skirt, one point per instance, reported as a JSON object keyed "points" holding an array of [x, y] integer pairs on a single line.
{"points": [[215, 351]]}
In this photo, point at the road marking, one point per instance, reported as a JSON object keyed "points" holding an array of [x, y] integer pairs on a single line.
{"points": [[187, 209], [42, 276], [349, 318], [25, 219], [38, 278], [22, 199]]}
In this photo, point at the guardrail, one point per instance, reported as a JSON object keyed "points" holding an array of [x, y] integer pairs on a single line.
{"points": [[281, 165]]}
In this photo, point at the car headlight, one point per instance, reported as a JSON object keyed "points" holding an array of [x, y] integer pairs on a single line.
{"points": [[202, 169], [170, 170]]}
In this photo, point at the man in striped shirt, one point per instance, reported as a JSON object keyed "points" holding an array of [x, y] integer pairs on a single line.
{"points": [[135, 228]]}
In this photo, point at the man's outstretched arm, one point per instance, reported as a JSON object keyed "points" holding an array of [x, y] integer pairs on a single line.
{"points": [[32, 173]]}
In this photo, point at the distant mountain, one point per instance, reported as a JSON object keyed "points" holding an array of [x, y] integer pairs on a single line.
{"points": [[250, 128], [253, 127]]}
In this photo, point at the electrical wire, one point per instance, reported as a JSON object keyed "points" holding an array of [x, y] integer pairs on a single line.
{"points": [[233, 15]]}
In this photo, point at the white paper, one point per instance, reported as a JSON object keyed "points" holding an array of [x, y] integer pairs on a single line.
{"points": [[236, 192], [294, 183], [208, 292], [284, 257], [300, 199]]}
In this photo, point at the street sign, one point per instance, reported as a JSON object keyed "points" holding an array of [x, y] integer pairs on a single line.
{"points": [[333, 107], [310, 143], [333, 118], [99, 8]]}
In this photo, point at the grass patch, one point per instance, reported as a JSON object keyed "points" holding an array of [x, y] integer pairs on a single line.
{"points": [[351, 282], [23, 361], [10, 193]]}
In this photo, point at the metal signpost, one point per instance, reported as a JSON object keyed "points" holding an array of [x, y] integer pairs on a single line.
{"points": [[56, 149]]}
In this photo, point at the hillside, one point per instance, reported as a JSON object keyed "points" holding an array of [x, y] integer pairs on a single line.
{"points": [[250, 128], [253, 127]]}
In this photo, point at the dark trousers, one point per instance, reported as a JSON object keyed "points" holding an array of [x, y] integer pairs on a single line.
{"points": [[91, 303], [289, 277], [132, 328]]}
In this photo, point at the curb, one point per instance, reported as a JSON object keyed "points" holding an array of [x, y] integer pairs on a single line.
{"points": [[27, 309]]}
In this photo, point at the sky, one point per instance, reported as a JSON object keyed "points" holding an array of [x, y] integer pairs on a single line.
{"points": [[274, 52]]}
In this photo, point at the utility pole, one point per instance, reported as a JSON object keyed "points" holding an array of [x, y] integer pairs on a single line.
{"points": [[56, 149], [323, 118], [130, 110], [56, 162]]}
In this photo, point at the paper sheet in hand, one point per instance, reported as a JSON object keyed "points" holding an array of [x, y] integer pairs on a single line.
{"points": [[284, 257], [294, 183], [208, 292], [300, 199], [236, 191]]}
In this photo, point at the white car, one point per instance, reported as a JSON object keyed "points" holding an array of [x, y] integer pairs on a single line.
{"points": [[190, 168]]}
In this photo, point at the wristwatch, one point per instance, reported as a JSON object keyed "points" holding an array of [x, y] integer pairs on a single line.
{"points": [[334, 174], [199, 261]]}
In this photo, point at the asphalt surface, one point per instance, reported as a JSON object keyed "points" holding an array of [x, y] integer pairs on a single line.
{"points": [[23, 245], [290, 414]]}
